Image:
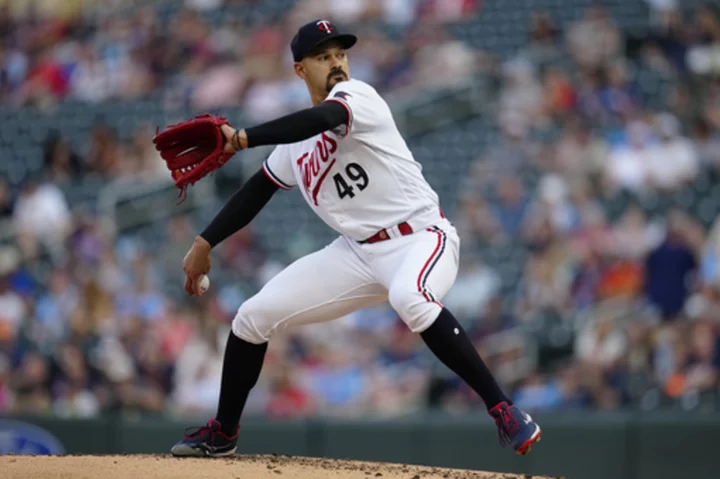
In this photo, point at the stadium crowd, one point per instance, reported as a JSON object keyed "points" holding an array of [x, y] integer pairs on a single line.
{"points": [[639, 294]]}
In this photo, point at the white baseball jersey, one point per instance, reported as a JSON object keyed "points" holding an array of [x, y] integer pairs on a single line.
{"points": [[360, 177]]}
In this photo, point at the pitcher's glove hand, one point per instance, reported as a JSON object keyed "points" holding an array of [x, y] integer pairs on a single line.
{"points": [[192, 149]]}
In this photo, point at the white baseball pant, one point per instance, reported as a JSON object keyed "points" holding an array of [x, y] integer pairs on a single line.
{"points": [[412, 272]]}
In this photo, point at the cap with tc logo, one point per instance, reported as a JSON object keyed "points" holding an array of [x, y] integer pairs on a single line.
{"points": [[313, 34]]}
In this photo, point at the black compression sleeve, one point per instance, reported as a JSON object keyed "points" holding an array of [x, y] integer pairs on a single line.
{"points": [[298, 126], [240, 209]]}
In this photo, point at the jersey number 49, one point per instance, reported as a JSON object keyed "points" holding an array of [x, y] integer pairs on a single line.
{"points": [[357, 175]]}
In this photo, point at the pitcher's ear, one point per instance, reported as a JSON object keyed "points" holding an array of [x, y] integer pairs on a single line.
{"points": [[300, 69]]}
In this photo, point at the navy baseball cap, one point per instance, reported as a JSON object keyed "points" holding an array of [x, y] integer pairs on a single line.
{"points": [[313, 34]]}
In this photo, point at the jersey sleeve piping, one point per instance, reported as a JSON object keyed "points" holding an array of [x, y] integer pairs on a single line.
{"points": [[268, 172], [349, 111]]}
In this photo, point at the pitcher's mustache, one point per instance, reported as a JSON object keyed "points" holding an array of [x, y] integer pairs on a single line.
{"points": [[335, 72]]}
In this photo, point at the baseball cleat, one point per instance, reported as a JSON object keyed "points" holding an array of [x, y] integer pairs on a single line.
{"points": [[515, 427], [206, 441]]}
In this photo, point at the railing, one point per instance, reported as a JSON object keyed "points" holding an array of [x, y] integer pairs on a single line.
{"points": [[418, 112], [130, 205]]}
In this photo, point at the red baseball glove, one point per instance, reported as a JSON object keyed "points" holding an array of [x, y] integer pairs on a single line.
{"points": [[192, 149]]}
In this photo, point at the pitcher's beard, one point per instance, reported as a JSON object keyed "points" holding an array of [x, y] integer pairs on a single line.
{"points": [[334, 80]]}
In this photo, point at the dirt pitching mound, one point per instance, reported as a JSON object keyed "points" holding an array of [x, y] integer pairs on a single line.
{"points": [[237, 467]]}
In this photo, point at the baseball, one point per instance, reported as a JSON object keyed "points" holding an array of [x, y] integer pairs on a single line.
{"points": [[204, 283]]}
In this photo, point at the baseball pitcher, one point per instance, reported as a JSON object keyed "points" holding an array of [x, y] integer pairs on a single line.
{"points": [[355, 171]]}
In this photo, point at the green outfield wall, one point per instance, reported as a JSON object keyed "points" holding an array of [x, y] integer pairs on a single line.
{"points": [[578, 446]]}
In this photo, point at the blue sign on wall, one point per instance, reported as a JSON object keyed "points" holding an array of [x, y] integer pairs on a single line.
{"points": [[17, 437]]}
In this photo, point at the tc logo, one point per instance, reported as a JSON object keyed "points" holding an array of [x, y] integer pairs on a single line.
{"points": [[18, 437], [324, 26]]}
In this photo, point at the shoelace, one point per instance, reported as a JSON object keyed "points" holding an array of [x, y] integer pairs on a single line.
{"points": [[506, 425], [211, 428], [192, 432]]}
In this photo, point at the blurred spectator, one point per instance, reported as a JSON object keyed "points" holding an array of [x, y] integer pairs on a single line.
{"points": [[176, 244], [442, 53], [494, 319], [475, 285], [521, 99], [693, 370], [559, 94], [618, 97], [512, 205], [545, 283], [197, 373], [544, 47], [61, 163], [702, 373], [554, 202], [593, 232], [31, 386], [221, 85], [55, 308], [71, 388], [671, 34], [141, 161], [41, 210], [706, 145], [639, 357], [622, 278], [703, 57], [572, 390], [594, 40], [46, 83], [288, 399], [586, 279], [628, 165], [104, 155], [448, 10], [710, 257], [475, 221], [340, 384], [538, 394], [579, 153], [13, 309], [91, 79], [513, 152], [6, 394], [601, 343], [675, 163], [669, 269], [143, 300], [90, 240], [633, 236], [245, 255]]}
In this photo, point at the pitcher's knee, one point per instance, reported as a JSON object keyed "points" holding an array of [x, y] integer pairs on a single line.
{"points": [[249, 324], [417, 311]]}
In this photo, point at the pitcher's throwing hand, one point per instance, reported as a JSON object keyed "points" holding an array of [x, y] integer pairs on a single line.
{"points": [[195, 265]]}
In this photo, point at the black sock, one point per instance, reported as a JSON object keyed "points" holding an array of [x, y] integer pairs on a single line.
{"points": [[447, 339], [241, 368]]}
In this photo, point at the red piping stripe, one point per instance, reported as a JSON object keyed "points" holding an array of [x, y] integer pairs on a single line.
{"points": [[427, 263], [272, 178]]}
